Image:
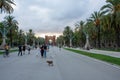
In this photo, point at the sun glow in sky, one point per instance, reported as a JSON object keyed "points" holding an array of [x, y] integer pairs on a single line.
{"points": [[48, 34]]}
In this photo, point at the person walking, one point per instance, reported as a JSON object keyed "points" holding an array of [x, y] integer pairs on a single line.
{"points": [[24, 47], [45, 50], [6, 51], [42, 51], [29, 49], [38, 51], [20, 50]]}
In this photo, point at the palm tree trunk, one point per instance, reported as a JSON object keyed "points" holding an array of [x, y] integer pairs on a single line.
{"points": [[117, 38], [11, 37], [99, 36], [116, 27]]}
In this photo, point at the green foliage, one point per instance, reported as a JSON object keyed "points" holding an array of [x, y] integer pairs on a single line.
{"points": [[68, 33], [5, 6]]}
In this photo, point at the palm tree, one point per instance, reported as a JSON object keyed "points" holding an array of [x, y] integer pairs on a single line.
{"points": [[20, 35], [41, 40], [113, 7], [60, 40], [68, 35], [31, 37], [95, 17], [79, 27], [6, 6], [107, 31], [4, 31], [13, 24]]}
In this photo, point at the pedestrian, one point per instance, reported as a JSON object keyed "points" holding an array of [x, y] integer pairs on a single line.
{"points": [[24, 47], [38, 51], [45, 50], [29, 49], [6, 47], [42, 50], [20, 50]]}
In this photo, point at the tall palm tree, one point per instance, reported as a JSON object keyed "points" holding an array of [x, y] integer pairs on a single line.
{"points": [[6, 6], [79, 27], [3, 31], [68, 35], [95, 17], [31, 37], [113, 7], [20, 36], [107, 30], [60, 40], [13, 24]]}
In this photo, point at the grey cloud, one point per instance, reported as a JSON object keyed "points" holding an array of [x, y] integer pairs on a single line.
{"points": [[61, 14]]}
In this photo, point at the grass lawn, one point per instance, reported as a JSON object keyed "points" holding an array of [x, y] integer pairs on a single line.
{"points": [[116, 50], [102, 57]]}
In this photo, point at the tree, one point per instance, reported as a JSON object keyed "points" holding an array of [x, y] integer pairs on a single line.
{"points": [[107, 31], [31, 37], [68, 35], [20, 37], [6, 6], [13, 24], [113, 7], [41, 40], [79, 28], [95, 17], [3, 30], [60, 40]]}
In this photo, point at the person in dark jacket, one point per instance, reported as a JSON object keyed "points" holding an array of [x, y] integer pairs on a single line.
{"points": [[42, 51], [20, 50], [45, 50], [24, 47]]}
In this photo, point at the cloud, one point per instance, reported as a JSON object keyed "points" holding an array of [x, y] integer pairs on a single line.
{"points": [[53, 15]]}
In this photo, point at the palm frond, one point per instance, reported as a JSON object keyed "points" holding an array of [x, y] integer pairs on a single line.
{"points": [[106, 6]]}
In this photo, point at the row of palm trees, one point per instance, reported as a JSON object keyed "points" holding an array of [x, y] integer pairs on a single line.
{"points": [[9, 29], [103, 28]]}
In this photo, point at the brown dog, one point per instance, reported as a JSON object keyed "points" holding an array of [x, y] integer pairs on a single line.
{"points": [[50, 62]]}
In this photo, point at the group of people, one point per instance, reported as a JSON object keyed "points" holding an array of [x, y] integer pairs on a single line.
{"points": [[22, 49], [43, 50]]}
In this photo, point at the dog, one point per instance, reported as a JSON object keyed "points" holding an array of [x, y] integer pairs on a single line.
{"points": [[50, 62]]}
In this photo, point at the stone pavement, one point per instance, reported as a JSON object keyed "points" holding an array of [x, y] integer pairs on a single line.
{"points": [[67, 66], [109, 53]]}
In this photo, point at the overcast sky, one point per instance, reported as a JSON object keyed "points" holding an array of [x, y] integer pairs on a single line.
{"points": [[52, 16]]}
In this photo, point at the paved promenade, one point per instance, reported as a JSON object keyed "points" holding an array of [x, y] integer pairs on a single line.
{"points": [[67, 66]]}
